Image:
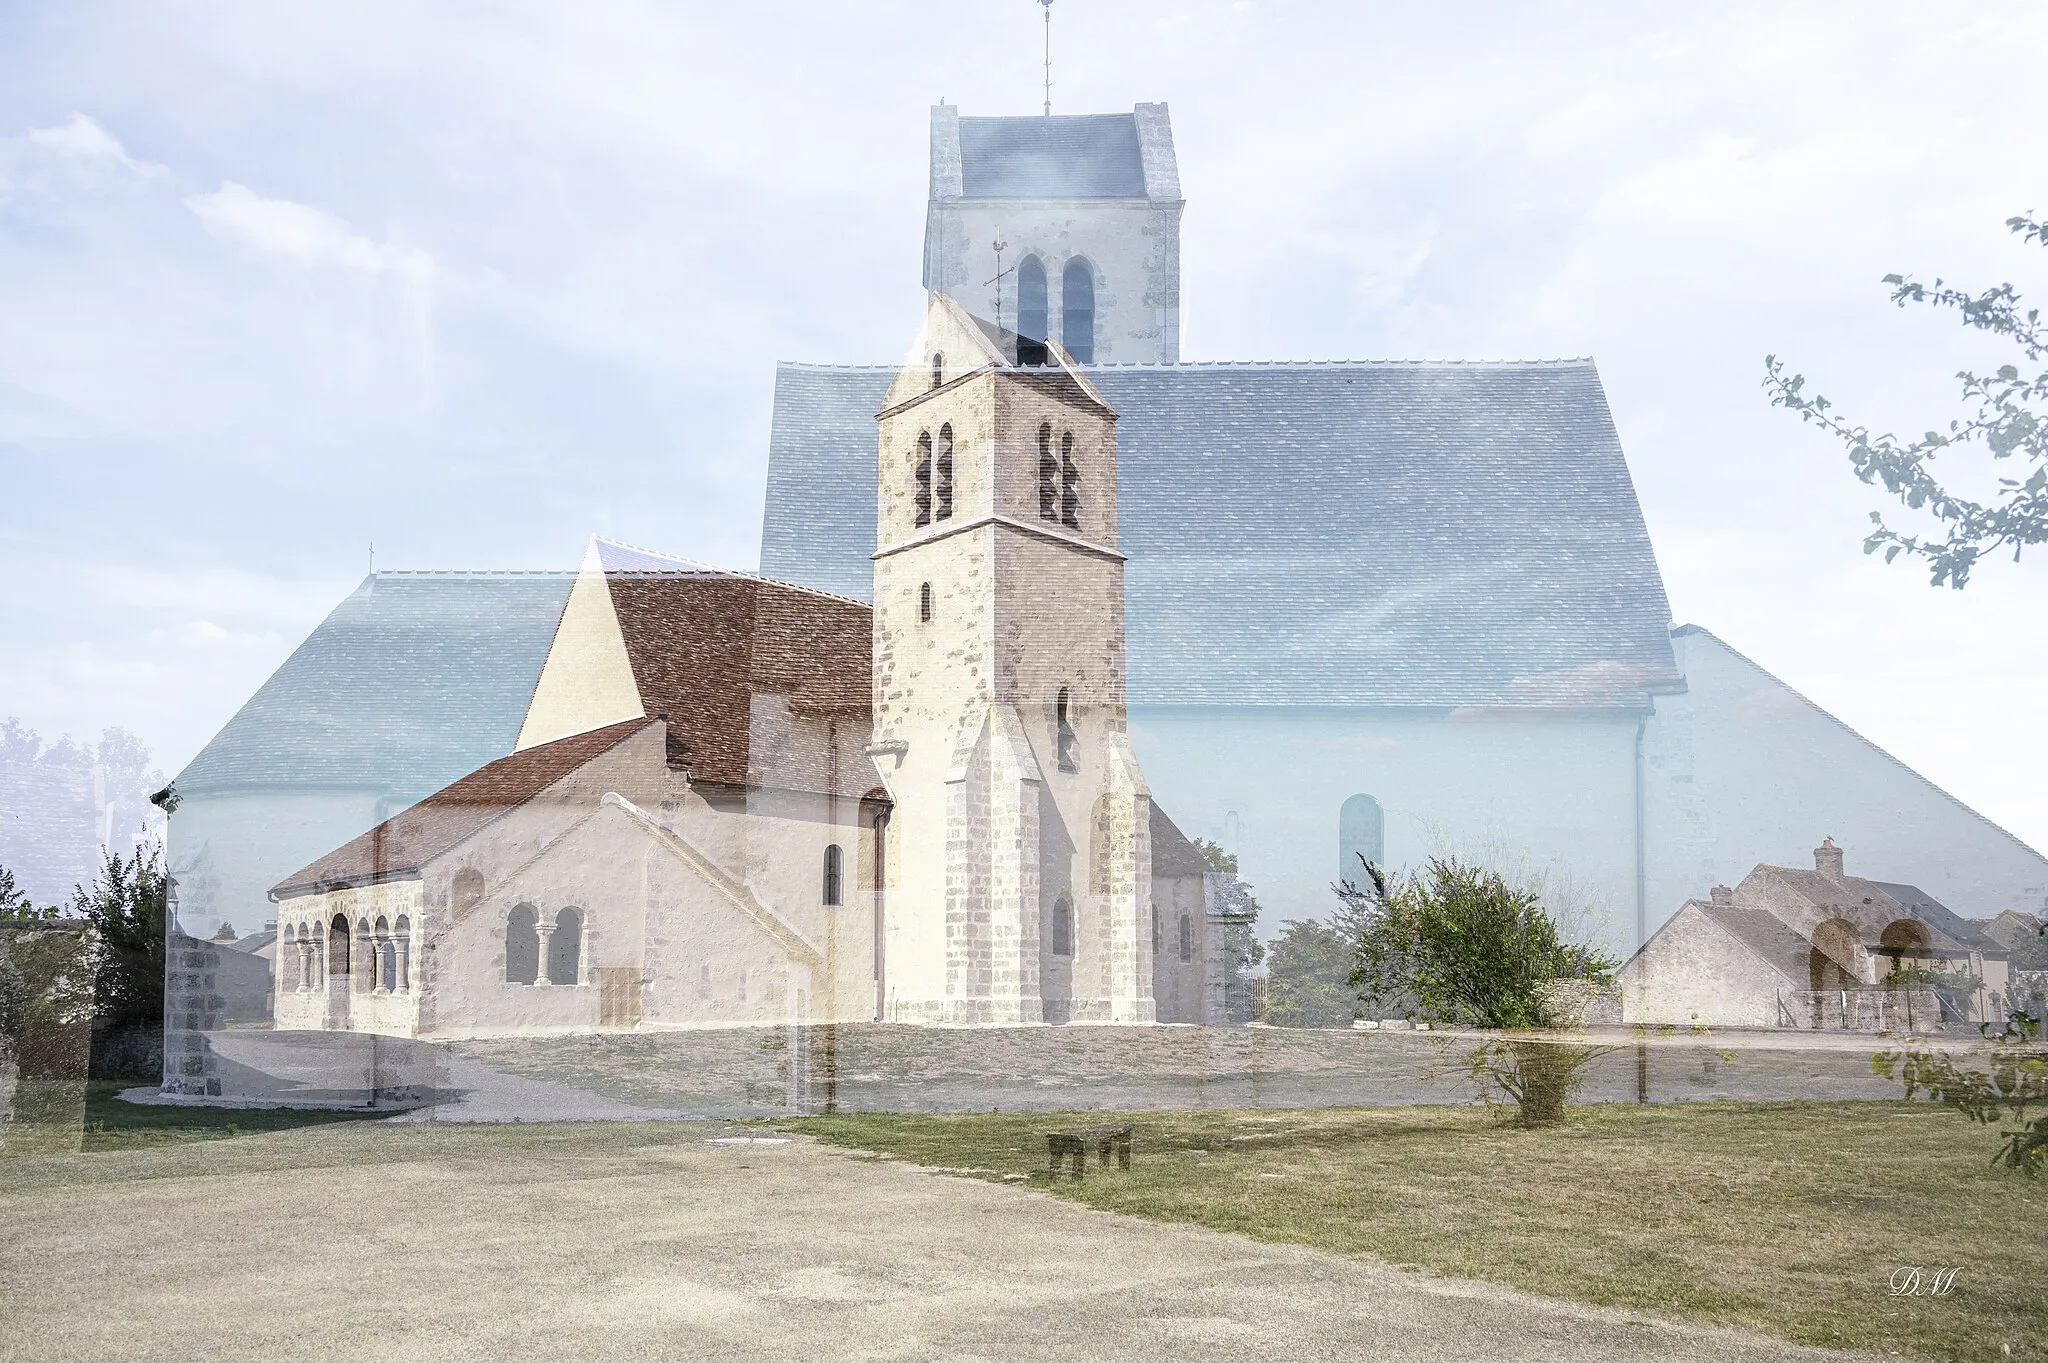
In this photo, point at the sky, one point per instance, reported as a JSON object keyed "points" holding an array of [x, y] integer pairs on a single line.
{"points": [[469, 283]]}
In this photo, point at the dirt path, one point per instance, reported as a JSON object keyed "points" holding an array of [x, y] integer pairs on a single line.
{"points": [[653, 1241]]}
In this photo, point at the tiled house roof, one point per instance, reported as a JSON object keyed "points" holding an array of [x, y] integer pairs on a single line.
{"points": [[704, 644], [1390, 535], [407, 841], [412, 681]]}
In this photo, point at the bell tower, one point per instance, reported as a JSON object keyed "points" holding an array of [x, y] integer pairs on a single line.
{"points": [[1020, 867]]}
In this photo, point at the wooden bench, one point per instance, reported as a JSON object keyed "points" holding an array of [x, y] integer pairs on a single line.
{"points": [[1062, 1144]]}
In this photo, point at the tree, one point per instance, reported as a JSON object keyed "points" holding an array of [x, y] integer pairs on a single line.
{"points": [[1457, 945], [14, 903], [1308, 975], [2008, 420], [127, 905]]}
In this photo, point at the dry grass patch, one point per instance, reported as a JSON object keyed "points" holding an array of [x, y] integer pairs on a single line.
{"points": [[1791, 1217]]}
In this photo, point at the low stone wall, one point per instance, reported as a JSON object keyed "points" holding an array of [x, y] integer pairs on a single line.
{"points": [[878, 1067]]}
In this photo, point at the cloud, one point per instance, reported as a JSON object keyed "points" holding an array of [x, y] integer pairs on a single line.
{"points": [[83, 139], [302, 234]]}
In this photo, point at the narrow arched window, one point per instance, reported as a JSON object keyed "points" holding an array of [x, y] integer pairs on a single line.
{"points": [[1070, 484], [1062, 927], [943, 510], [703, 981], [1361, 838], [337, 946], [1187, 938], [1031, 311], [1077, 310], [1066, 731], [938, 368], [833, 864], [387, 957], [402, 936], [1048, 476], [565, 948], [522, 945], [924, 478], [924, 602], [467, 890], [366, 953], [1158, 938]]}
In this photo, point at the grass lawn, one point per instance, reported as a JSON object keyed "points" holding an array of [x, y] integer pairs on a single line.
{"points": [[111, 1124], [1791, 1217]]}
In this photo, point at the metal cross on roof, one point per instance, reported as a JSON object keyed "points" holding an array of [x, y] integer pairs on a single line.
{"points": [[1048, 56]]}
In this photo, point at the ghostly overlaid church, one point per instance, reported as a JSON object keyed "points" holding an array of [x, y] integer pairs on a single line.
{"points": [[1024, 595]]}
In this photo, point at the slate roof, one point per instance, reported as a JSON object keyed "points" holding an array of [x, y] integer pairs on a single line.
{"points": [[1937, 915], [407, 841], [1066, 156], [1783, 949], [412, 681], [1406, 535], [1172, 853]]}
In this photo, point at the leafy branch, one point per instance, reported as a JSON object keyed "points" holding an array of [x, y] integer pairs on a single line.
{"points": [[2004, 420]]}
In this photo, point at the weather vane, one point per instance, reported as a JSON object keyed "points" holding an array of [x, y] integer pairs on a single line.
{"points": [[1000, 247], [1048, 56]]}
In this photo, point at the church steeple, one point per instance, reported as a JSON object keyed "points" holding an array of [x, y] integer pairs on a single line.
{"points": [[999, 690], [1088, 203]]}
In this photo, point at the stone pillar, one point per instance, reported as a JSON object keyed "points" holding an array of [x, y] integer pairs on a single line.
{"points": [[540, 969]]}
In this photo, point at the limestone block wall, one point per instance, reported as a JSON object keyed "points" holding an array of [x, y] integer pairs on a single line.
{"points": [[1694, 973], [313, 993]]}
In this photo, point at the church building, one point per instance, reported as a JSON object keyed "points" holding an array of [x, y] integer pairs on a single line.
{"points": [[1340, 610], [737, 802]]}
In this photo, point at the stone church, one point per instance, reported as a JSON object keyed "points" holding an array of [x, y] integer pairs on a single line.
{"points": [[738, 802], [1339, 608]]}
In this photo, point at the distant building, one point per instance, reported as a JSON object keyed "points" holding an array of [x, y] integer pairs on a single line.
{"points": [[1816, 949]]}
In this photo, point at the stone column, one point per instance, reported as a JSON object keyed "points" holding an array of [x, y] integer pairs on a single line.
{"points": [[540, 969]]}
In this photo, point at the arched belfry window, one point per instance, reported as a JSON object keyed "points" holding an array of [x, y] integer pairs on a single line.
{"points": [[834, 867], [1361, 838], [924, 478], [1062, 713], [1077, 310], [943, 507], [1062, 927], [1048, 476], [938, 368], [1031, 311], [1070, 484]]}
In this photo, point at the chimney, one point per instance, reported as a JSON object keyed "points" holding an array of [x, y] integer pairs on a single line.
{"points": [[1827, 859], [1721, 894]]}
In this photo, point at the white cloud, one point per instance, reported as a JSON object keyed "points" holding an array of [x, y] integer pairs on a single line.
{"points": [[302, 234], [83, 139]]}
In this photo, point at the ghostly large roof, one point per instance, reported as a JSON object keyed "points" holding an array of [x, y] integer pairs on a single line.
{"points": [[1067, 156], [414, 680], [1404, 535]]}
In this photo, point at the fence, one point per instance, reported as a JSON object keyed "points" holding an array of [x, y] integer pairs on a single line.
{"points": [[1867, 1010]]}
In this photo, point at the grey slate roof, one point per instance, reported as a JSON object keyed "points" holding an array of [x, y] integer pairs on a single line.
{"points": [[1377, 534], [1067, 156], [415, 679], [1943, 919]]}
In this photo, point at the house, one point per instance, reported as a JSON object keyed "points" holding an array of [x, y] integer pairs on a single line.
{"points": [[1789, 947]]}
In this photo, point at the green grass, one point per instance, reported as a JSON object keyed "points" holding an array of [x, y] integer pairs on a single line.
{"points": [[1790, 1217], [111, 1124]]}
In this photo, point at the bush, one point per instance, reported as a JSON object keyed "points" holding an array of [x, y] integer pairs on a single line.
{"points": [[1458, 946]]}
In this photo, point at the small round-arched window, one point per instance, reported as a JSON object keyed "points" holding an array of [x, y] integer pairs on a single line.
{"points": [[1062, 927]]}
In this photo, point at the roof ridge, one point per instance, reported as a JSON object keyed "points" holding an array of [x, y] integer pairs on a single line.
{"points": [[1553, 362], [697, 565]]}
